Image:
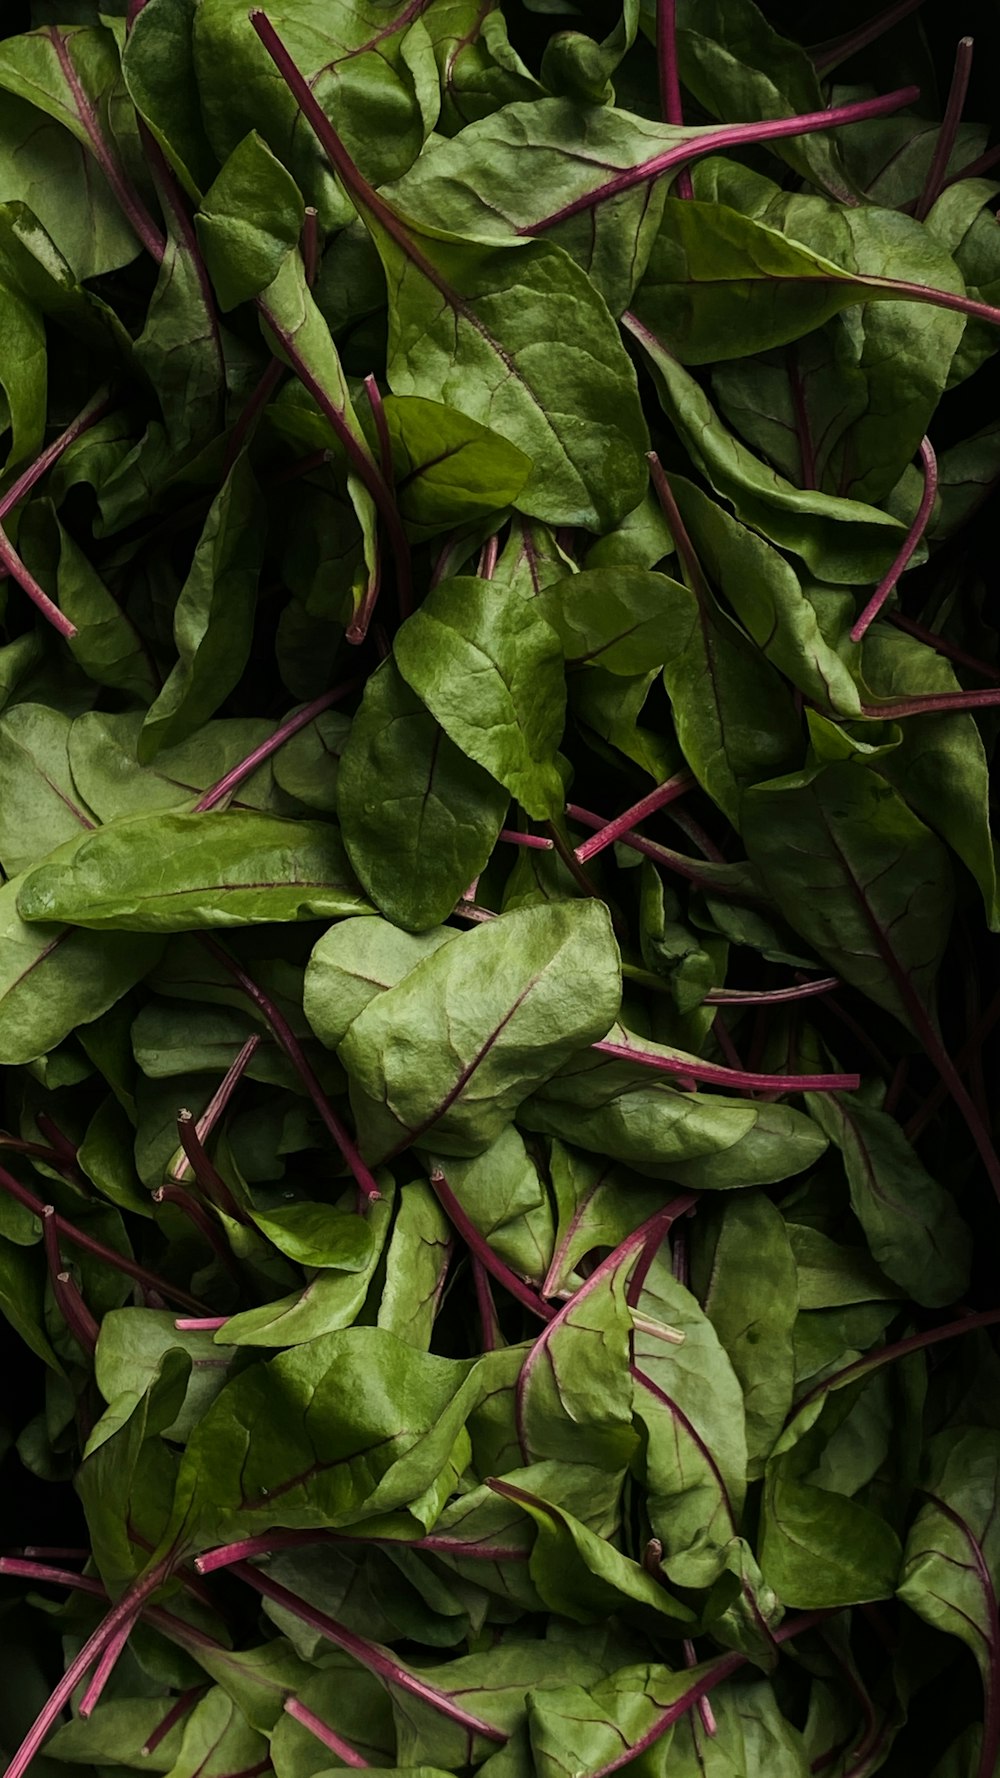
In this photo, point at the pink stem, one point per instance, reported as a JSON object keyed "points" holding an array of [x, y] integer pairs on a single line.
{"points": [[293, 1050], [323, 1732], [949, 129], [734, 135], [129, 201], [182, 1705], [737, 997], [928, 462], [200, 1220], [843, 47], [672, 861], [238, 774], [873, 1361], [219, 1100], [79, 1668], [204, 1169], [88, 1244], [28, 584], [69, 1301], [930, 703], [201, 1323], [534, 841], [648, 1237], [732, 1077], [88, 416], [941, 645], [682, 540], [670, 86], [480, 1248], [665, 793], [705, 1710], [369, 1654], [488, 557], [381, 428], [106, 1665]]}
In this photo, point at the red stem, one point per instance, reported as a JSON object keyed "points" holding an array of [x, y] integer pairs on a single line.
{"points": [[671, 107], [941, 645], [266, 1545], [28, 584], [717, 141], [682, 540], [650, 1235], [480, 1249], [310, 244], [293, 1050], [692, 1069], [928, 463], [323, 1732], [219, 1100], [69, 1301], [534, 841], [200, 1220], [932, 703], [95, 410], [204, 1169], [372, 1655], [488, 557], [949, 129], [676, 862], [665, 793], [238, 774], [486, 1306], [381, 428], [129, 201], [843, 47], [187, 1700], [88, 1244]]}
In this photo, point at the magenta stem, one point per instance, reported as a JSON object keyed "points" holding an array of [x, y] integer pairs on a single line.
{"points": [[705, 1710], [717, 141], [928, 463], [842, 47], [930, 703], [949, 129], [28, 584], [201, 1221], [873, 1361], [238, 774], [676, 862], [480, 1249], [671, 107], [534, 841], [372, 1655], [107, 1663], [941, 645], [293, 1050], [183, 1705], [95, 410], [323, 1732], [682, 540], [218, 1102], [201, 1323], [88, 1244], [78, 1669], [129, 201], [69, 1301], [737, 997], [204, 1169], [381, 428], [665, 793], [649, 1236], [690, 1068]]}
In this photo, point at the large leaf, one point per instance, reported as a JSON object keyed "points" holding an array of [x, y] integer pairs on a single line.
{"points": [[171, 872], [491, 1016]]}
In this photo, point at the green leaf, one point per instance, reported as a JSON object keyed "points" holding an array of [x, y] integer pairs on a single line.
{"points": [[248, 222], [213, 618], [103, 750], [108, 645], [491, 1015], [416, 1266], [489, 670], [333, 1297], [618, 618], [448, 469], [53, 978], [39, 803], [353, 963], [228, 867], [862, 880], [951, 1563], [911, 1222], [419, 818]]}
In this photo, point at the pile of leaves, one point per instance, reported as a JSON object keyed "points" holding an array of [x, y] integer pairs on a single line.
{"points": [[498, 1203]]}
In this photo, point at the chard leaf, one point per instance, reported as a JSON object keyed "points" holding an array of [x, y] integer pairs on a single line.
{"points": [[226, 868]]}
